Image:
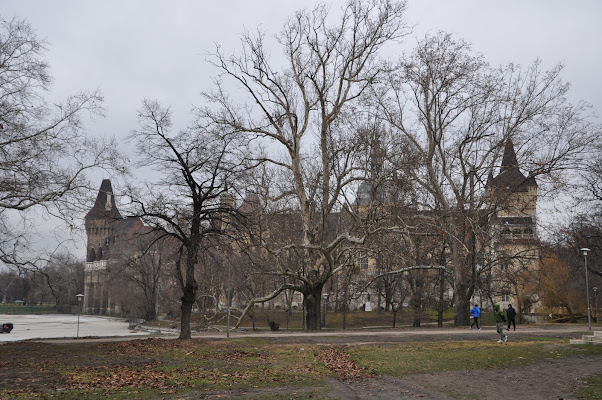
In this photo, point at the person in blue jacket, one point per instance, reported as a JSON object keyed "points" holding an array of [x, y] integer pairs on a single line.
{"points": [[476, 312]]}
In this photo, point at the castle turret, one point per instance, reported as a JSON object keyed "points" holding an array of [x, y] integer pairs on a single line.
{"points": [[511, 192], [101, 221], [512, 197]]}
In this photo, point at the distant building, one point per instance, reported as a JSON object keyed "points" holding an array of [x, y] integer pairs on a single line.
{"points": [[514, 244], [112, 239], [508, 248]]}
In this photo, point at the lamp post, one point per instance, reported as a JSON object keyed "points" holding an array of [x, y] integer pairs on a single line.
{"points": [[325, 298], [229, 300], [585, 250], [481, 305], [80, 297], [596, 301]]}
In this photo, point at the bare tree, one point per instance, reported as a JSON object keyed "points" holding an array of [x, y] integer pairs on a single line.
{"points": [[458, 113], [144, 263], [299, 112], [63, 277], [44, 150], [193, 168], [593, 177], [13, 286]]}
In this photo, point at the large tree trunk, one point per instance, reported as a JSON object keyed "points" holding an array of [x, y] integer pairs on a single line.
{"points": [[440, 308], [462, 305], [312, 300], [187, 302]]}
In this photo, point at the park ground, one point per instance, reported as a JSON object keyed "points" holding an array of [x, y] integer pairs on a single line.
{"points": [[405, 363]]}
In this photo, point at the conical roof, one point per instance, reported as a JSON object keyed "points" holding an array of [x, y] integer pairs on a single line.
{"points": [[510, 177], [105, 206]]}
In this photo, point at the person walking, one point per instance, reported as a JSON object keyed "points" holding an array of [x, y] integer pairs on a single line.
{"points": [[499, 323], [476, 311], [511, 314]]}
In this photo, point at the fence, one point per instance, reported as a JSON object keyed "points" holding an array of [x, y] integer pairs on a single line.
{"points": [[21, 309]]}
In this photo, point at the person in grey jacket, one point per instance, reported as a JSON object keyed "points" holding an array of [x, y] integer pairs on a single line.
{"points": [[499, 323]]}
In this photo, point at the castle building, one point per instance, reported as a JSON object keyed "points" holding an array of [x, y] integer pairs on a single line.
{"points": [[109, 237], [510, 245]]}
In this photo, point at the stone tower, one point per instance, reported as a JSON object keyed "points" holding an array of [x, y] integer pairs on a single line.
{"points": [[512, 200], [101, 221]]}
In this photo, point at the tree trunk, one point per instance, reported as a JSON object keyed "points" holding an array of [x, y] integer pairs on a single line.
{"points": [[462, 305], [417, 317], [187, 303], [312, 301]]}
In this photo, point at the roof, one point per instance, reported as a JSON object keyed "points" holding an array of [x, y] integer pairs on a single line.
{"points": [[105, 206], [510, 177]]}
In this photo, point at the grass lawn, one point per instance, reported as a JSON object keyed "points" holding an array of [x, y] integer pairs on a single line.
{"points": [[592, 389], [426, 357], [158, 368]]}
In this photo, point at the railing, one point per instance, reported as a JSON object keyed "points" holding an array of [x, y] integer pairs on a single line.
{"points": [[19, 310]]}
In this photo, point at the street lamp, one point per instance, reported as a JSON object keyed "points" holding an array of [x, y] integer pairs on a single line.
{"points": [[80, 297], [585, 250], [596, 301], [325, 297], [229, 300], [481, 305]]}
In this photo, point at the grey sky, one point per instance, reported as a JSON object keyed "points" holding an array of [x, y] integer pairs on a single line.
{"points": [[135, 49], [150, 48]]}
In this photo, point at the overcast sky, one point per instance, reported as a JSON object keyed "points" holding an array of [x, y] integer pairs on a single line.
{"points": [[136, 49], [150, 48]]}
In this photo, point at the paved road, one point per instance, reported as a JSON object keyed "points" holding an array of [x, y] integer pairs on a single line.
{"points": [[411, 334], [60, 327]]}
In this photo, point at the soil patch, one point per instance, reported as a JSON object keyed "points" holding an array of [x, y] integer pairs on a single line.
{"points": [[554, 379], [548, 380]]}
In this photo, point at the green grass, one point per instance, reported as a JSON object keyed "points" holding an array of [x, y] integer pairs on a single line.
{"points": [[428, 357], [592, 388]]}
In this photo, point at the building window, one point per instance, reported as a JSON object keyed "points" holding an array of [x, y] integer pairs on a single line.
{"points": [[362, 260], [505, 295], [108, 204]]}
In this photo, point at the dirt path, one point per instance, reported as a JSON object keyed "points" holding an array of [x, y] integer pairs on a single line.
{"points": [[549, 380], [556, 379]]}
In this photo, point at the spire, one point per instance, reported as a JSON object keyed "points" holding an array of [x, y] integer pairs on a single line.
{"points": [[105, 203], [376, 159], [509, 160], [226, 199], [510, 177]]}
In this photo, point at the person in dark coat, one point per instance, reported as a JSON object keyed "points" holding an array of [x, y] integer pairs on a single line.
{"points": [[511, 314]]}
